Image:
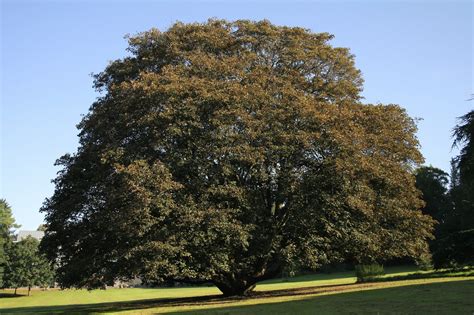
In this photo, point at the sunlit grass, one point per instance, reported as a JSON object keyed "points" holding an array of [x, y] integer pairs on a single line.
{"points": [[284, 292]]}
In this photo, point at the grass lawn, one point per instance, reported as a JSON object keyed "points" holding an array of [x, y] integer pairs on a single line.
{"points": [[439, 293]]}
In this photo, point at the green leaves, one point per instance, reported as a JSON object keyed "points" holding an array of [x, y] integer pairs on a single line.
{"points": [[456, 238], [26, 267], [7, 223]]}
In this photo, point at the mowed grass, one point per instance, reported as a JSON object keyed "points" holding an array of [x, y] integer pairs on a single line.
{"points": [[309, 294], [405, 297]]}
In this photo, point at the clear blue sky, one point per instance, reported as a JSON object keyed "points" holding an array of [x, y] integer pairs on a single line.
{"points": [[416, 54]]}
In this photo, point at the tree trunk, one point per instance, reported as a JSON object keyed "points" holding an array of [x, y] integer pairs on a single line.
{"points": [[29, 289], [15, 290], [236, 287]]}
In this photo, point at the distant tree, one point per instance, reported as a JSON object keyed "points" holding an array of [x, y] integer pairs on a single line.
{"points": [[464, 137], [433, 184], [26, 266], [456, 240], [41, 227], [7, 223], [44, 272], [225, 152]]}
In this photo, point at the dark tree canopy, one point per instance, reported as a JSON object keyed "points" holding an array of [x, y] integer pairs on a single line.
{"points": [[225, 152], [433, 184], [464, 137], [455, 244]]}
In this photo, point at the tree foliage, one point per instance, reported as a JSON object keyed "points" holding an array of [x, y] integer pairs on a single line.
{"points": [[26, 266], [433, 184], [7, 223], [223, 152], [464, 136], [455, 244]]}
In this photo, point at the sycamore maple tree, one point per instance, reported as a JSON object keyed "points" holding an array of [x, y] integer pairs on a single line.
{"points": [[225, 152]]}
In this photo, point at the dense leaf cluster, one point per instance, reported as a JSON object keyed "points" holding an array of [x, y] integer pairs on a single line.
{"points": [[452, 208], [455, 242], [224, 152], [26, 266], [7, 223]]}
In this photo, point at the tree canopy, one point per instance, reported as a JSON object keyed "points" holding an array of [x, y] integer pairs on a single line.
{"points": [[464, 136], [7, 223], [225, 152], [433, 184], [455, 244], [26, 266]]}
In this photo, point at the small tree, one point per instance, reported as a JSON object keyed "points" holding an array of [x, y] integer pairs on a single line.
{"points": [[26, 267], [7, 223]]}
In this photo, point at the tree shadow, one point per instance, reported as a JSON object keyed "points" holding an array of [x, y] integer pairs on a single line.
{"points": [[169, 302], [311, 277], [201, 301], [10, 295], [451, 273], [453, 297], [110, 306]]}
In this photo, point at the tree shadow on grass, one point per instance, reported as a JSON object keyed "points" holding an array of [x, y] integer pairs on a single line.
{"points": [[169, 302], [311, 277], [452, 273], [111, 306], [203, 301], [453, 297], [10, 295]]}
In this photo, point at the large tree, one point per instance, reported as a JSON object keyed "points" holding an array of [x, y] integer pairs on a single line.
{"points": [[225, 152]]}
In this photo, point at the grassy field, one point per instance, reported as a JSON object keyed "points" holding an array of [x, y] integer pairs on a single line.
{"points": [[437, 292]]}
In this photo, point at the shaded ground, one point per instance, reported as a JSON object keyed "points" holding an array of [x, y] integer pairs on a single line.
{"points": [[415, 296], [430, 298], [439, 291]]}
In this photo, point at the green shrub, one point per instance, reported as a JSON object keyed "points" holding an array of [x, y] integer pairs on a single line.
{"points": [[366, 273], [425, 264]]}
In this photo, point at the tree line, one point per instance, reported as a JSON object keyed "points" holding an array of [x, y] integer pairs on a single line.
{"points": [[449, 199]]}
